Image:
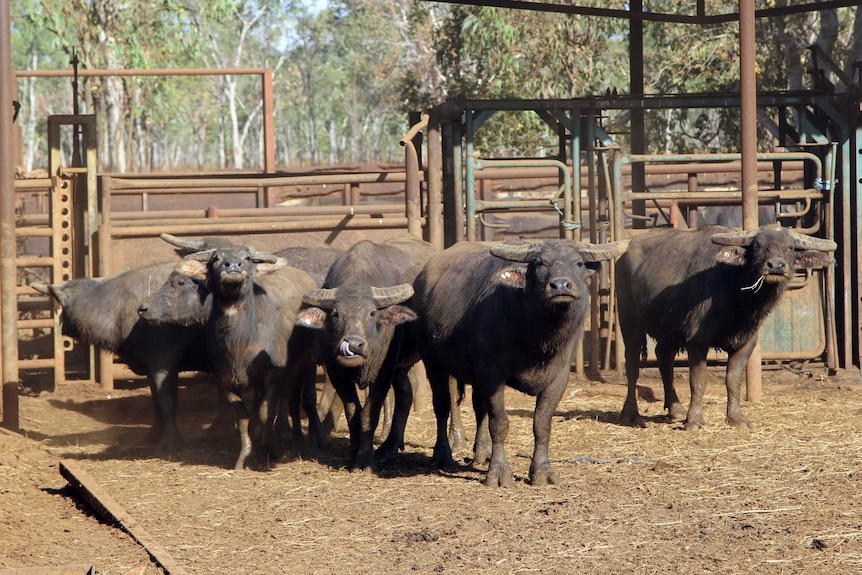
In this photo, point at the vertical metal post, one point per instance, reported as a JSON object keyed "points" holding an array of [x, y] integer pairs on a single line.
{"points": [[748, 101], [435, 180], [636, 87], [469, 177], [268, 122], [8, 269], [106, 358]]}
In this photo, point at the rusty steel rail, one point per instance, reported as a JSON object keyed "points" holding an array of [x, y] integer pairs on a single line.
{"points": [[151, 223], [413, 174]]}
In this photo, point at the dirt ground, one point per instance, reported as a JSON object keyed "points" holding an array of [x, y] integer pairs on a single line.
{"points": [[781, 499]]}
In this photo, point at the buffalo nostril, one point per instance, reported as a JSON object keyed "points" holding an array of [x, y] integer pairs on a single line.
{"points": [[561, 284], [777, 266], [142, 308], [352, 346]]}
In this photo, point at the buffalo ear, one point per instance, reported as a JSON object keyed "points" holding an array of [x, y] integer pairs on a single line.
{"points": [[813, 259], [512, 276], [195, 269], [311, 317], [731, 255], [396, 315]]}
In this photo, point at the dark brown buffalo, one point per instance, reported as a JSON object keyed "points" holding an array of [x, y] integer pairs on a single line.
{"points": [[364, 342], [250, 336], [512, 315], [104, 312], [709, 288]]}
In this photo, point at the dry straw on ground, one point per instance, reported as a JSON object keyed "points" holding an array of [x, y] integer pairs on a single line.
{"points": [[780, 499]]}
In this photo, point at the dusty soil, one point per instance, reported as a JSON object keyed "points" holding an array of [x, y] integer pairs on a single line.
{"points": [[781, 499]]}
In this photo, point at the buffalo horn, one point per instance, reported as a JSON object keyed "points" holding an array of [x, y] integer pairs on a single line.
{"points": [[602, 252], [804, 242], [516, 252], [41, 287], [742, 238], [323, 298], [203, 256], [193, 245], [387, 296], [262, 257]]}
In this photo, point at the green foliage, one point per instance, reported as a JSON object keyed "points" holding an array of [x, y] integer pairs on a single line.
{"points": [[347, 72]]}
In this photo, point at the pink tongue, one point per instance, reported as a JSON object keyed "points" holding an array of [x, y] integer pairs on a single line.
{"points": [[344, 348]]}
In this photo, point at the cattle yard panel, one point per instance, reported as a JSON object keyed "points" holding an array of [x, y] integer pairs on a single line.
{"points": [[812, 297], [65, 238], [818, 147]]}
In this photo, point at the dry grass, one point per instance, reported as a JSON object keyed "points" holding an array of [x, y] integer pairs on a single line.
{"points": [[781, 499]]}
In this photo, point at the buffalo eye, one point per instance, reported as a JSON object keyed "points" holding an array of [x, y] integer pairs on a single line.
{"points": [[334, 313], [373, 313], [580, 264], [181, 282]]}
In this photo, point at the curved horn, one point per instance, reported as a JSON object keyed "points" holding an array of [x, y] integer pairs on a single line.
{"points": [[516, 252], [602, 252], [41, 287], [203, 256], [193, 245], [262, 257], [804, 242], [387, 296], [742, 238], [322, 298]]}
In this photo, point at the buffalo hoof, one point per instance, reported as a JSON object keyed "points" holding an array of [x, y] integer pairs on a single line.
{"points": [[364, 462], [741, 423], [632, 419], [544, 475], [694, 425], [676, 411], [456, 439], [170, 445], [499, 476], [389, 448], [481, 455]]}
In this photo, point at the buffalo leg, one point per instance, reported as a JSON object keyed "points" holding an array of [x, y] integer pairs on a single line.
{"points": [[482, 442], [666, 356], [369, 417], [630, 415], [440, 398], [499, 472], [352, 410], [242, 424], [330, 407], [271, 447], [736, 363], [316, 433], [388, 410], [456, 425], [547, 401], [697, 381], [403, 393]]}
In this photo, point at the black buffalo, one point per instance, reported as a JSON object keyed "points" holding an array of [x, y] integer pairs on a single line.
{"points": [[104, 312], [185, 299], [512, 315], [709, 288], [249, 336], [314, 259], [363, 336]]}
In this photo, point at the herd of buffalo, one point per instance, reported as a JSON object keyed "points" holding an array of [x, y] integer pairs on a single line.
{"points": [[489, 315]]}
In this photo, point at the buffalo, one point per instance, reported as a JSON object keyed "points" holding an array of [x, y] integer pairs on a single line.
{"points": [[103, 312], [361, 323], [709, 288], [250, 336], [508, 314]]}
